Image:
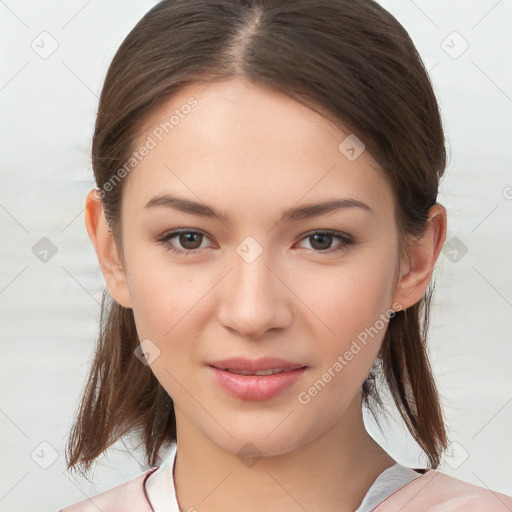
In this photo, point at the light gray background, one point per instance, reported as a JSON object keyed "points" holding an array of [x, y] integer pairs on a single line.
{"points": [[50, 310]]}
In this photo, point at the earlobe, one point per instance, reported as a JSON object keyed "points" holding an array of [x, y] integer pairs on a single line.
{"points": [[424, 253], [106, 250]]}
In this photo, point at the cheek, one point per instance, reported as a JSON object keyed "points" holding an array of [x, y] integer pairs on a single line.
{"points": [[353, 298], [164, 302], [356, 316], [170, 306], [354, 308], [160, 292], [169, 311]]}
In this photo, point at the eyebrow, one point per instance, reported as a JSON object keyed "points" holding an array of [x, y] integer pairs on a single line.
{"points": [[292, 214]]}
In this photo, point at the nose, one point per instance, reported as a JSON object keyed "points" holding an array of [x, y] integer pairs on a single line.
{"points": [[255, 298]]}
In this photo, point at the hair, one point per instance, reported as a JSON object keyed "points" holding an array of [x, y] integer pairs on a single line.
{"points": [[350, 61]]}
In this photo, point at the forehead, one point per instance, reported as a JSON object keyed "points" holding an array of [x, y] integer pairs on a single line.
{"points": [[239, 146]]}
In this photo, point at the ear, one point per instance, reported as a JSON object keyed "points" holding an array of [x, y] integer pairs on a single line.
{"points": [[416, 275], [106, 250]]}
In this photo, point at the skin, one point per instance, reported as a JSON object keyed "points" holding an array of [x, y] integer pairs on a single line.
{"points": [[251, 152]]}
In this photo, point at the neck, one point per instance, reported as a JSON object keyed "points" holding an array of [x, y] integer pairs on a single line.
{"points": [[331, 473]]}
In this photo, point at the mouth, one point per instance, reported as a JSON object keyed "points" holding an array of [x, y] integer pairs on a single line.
{"points": [[259, 379]]}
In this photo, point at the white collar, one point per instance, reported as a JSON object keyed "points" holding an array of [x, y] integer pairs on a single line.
{"points": [[160, 485], [161, 492]]}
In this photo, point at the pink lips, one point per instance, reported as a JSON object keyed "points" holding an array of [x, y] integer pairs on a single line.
{"points": [[256, 387]]}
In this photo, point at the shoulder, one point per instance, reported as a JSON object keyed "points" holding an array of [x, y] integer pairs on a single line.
{"points": [[129, 496], [437, 492]]}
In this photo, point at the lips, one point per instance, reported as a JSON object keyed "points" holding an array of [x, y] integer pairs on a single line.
{"points": [[260, 379]]}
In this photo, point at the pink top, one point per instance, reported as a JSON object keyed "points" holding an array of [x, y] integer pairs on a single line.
{"points": [[432, 491]]}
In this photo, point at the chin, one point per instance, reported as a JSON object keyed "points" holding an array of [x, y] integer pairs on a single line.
{"points": [[265, 438]]}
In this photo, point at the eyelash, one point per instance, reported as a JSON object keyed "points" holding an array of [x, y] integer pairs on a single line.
{"points": [[165, 241]]}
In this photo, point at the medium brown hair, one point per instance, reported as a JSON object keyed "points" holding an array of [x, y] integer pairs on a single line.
{"points": [[350, 61]]}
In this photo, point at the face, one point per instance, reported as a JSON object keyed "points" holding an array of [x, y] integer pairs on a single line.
{"points": [[256, 282]]}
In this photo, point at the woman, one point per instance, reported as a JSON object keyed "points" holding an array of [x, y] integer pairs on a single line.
{"points": [[234, 139]]}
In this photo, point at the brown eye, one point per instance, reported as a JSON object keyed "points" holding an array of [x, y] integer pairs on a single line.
{"points": [[186, 242], [320, 242], [189, 240]]}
